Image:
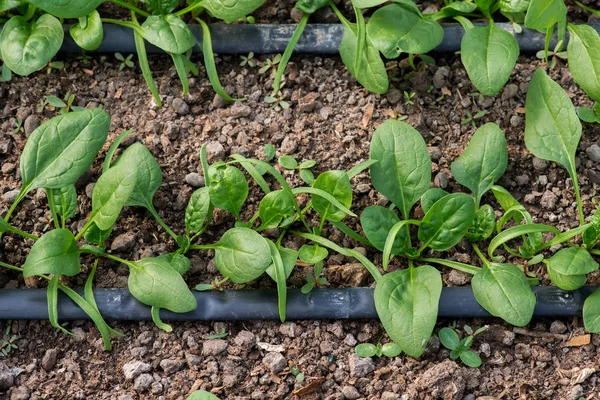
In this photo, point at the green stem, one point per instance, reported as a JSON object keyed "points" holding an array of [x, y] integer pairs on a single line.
{"points": [[202, 247], [131, 8], [588, 9], [287, 54], [486, 262], [17, 231], [190, 8], [578, 199], [547, 42], [85, 228], [162, 223], [466, 24], [14, 205], [100, 253], [595, 252], [466, 268], [30, 12], [52, 205], [127, 24], [345, 229], [338, 13], [11, 267], [140, 47]]}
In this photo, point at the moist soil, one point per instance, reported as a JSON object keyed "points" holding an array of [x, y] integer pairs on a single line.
{"points": [[330, 120]]}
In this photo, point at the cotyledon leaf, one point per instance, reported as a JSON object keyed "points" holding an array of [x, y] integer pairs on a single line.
{"points": [[584, 58], [407, 304], [60, 150], [489, 55]]}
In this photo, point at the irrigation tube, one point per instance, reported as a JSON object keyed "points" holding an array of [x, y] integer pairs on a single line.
{"points": [[269, 39], [233, 305]]}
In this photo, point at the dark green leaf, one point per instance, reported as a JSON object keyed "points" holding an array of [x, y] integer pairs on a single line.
{"points": [[566, 282], [6, 5], [430, 197], [169, 33], [273, 208], [67, 8], [483, 224], [377, 222], [338, 185], [56, 252], [470, 359], [231, 10], [65, 200], [161, 6], [573, 261], [449, 338], [228, 188], [447, 221], [148, 175], [289, 257], [88, 37], [310, 6], [280, 279], [242, 255], [198, 212]]}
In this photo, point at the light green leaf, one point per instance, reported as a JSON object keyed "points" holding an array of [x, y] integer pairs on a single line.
{"points": [[6, 5], [60, 150], [403, 172], [228, 188], [111, 193], [88, 37], [407, 304], [489, 55], [470, 358], [503, 290], [148, 175], [178, 262], [67, 8], [584, 58], [274, 207], [65, 200], [591, 312], [338, 185], [27, 47], [289, 257], [280, 279], [169, 33], [231, 10], [394, 29], [312, 254], [483, 162], [377, 222], [552, 128], [391, 350], [543, 14], [242, 255], [513, 6], [56, 252], [198, 212], [566, 282], [447, 221], [154, 282], [573, 261]]}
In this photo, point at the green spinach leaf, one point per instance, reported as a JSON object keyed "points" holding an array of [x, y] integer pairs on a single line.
{"points": [[111, 193], [430, 197], [67, 8], [377, 222], [242, 255], [573, 261], [543, 14], [273, 208], [169, 33], [447, 221], [56, 252], [483, 224], [584, 58], [231, 10], [199, 210], [338, 185], [88, 36], [228, 188]]}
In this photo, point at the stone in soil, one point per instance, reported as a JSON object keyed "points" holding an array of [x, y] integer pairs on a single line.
{"points": [[593, 152], [194, 179], [133, 369], [276, 362], [170, 366], [6, 378], [361, 367], [142, 383], [123, 242], [49, 359], [214, 347]]}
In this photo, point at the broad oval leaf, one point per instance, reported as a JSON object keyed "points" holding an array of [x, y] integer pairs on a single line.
{"points": [[228, 188], [543, 14], [394, 29], [6, 5], [88, 37], [407, 304], [365, 350], [483, 224], [67, 8], [430, 197], [198, 212], [169, 33], [312, 254], [449, 338], [584, 58], [592, 234], [60, 150], [202, 395], [161, 6], [566, 282], [447, 221], [513, 6], [483, 162], [231, 10], [489, 55], [470, 358], [154, 282], [403, 171], [242, 255], [111, 193], [56, 252], [391, 350], [65, 200], [338, 185], [96, 235], [377, 221], [274, 207], [27, 47], [503, 290], [591, 312], [552, 128], [372, 74], [178, 262], [310, 6], [148, 175], [573, 261]]}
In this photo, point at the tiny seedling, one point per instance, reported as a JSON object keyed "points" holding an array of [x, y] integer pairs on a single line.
{"points": [[269, 150], [219, 335], [65, 105], [408, 98], [270, 64], [57, 65], [248, 60], [589, 115], [557, 53], [297, 373], [470, 118], [278, 100], [461, 348], [125, 62], [368, 350], [8, 343], [84, 58], [18, 126]]}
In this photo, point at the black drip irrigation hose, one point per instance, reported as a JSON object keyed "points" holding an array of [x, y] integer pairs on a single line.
{"points": [[238, 305], [270, 39]]}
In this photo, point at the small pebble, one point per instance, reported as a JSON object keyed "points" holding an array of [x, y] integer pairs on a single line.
{"points": [[393, 96], [181, 106], [539, 164], [276, 362], [558, 327], [593, 152], [194, 179], [49, 359], [10, 196]]}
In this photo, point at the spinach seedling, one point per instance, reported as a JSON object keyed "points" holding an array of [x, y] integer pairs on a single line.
{"points": [[202, 395], [299, 375], [461, 348], [277, 100], [589, 115], [368, 350]]}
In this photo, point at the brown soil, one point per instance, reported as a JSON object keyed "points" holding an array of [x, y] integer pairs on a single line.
{"points": [[330, 122]]}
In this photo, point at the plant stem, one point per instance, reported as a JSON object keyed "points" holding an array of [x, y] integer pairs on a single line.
{"points": [[486, 262], [202, 247], [578, 199], [85, 228], [12, 267], [12, 229], [287, 54], [52, 206], [100, 253], [190, 8], [126, 24], [128, 6], [469, 269], [162, 223], [588, 9]]}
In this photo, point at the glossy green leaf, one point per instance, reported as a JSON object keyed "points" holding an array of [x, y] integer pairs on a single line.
{"points": [[88, 37], [169, 33], [513, 6], [310, 6], [455, 9], [372, 73], [484, 6], [148, 175], [503, 290], [6, 5], [470, 359], [60, 150], [573, 261], [242, 255], [407, 304], [312, 254], [96, 235], [367, 3], [447, 221], [67, 8], [338, 185], [591, 312], [288, 162], [231, 10], [552, 128], [289, 257], [274, 207], [377, 222], [178, 262], [584, 58], [199, 210], [543, 14], [483, 224], [65, 200], [483, 162], [280, 279], [365, 350], [430, 197], [161, 6], [56, 252], [592, 234], [27, 47], [403, 172], [111, 193], [449, 338], [566, 282], [228, 188], [154, 282], [394, 29], [391, 350], [489, 55]]}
